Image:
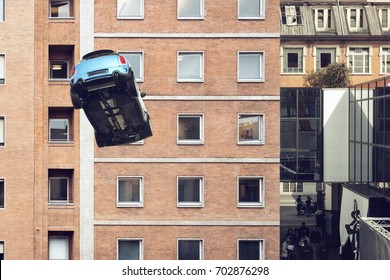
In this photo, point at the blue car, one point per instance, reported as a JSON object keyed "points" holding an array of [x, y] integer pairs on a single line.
{"points": [[104, 86]]}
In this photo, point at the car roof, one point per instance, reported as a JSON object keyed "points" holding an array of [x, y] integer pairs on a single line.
{"points": [[98, 53]]}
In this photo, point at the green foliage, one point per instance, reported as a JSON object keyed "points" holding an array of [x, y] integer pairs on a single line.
{"points": [[336, 75]]}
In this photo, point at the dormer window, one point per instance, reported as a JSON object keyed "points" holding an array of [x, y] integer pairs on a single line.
{"points": [[356, 19], [323, 19], [384, 18], [291, 15]]}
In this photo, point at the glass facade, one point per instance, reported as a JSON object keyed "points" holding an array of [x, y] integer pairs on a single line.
{"points": [[369, 135], [301, 134]]}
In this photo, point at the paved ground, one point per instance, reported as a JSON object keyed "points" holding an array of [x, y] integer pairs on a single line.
{"points": [[289, 219]]}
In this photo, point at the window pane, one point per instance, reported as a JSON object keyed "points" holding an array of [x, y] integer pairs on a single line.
{"points": [[288, 165], [58, 248], [135, 60], [189, 250], [2, 10], [2, 131], [190, 8], [250, 66], [2, 68], [59, 8], [189, 189], [249, 128], [59, 130], [189, 128], [293, 60], [2, 193], [190, 66], [130, 8], [288, 103], [129, 190], [58, 189], [288, 134], [129, 249], [249, 8], [59, 70], [249, 190], [249, 250]]}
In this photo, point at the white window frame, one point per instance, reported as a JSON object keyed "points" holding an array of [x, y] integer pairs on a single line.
{"points": [[141, 192], [317, 52], [199, 203], [139, 16], [2, 10], [261, 66], [63, 1], [351, 54], [52, 64], [201, 67], [67, 132], [360, 26], [380, 12], [256, 204], [4, 187], [201, 10], [2, 245], [260, 15], [60, 238], [201, 129], [3, 68], [140, 242], [385, 58], [201, 247], [2, 127], [261, 247], [282, 49], [325, 19], [261, 128], [67, 201], [140, 77]]}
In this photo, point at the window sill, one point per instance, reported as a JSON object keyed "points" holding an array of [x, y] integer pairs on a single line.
{"points": [[251, 143], [191, 143], [60, 205], [130, 205], [250, 205], [190, 205], [59, 81], [62, 19], [61, 143]]}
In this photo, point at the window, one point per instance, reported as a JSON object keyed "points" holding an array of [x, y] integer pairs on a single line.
{"points": [[359, 60], [59, 130], [130, 191], [292, 187], [250, 9], [2, 131], [2, 10], [325, 57], [250, 192], [190, 129], [323, 19], [60, 61], [190, 67], [129, 249], [2, 250], [250, 67], [58, 190], [356, 19], [384, 18], [130, 9], [250, 249], [293, 60], [59, 247], [290, 15], [2, 69], [190, 192], [2, 193], [190, 249], [385, 61], [60, 8], [136, 60], [190, 9], [250, 129]]}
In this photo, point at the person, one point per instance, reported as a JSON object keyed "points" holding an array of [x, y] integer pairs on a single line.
{"points": [[284, 254], [306, 251], [323, 251], [303, 230], [308, 206], [298, 202], [315, 240]]}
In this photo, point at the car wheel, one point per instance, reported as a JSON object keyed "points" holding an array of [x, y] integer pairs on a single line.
{"points": [[75, 100], [99, 140]]}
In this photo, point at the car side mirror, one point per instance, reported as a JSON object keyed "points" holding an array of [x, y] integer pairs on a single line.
{"points": [[143, 94]]}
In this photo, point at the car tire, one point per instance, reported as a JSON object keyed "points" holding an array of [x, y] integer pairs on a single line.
{"points": [[99, 140], [76, 101]]}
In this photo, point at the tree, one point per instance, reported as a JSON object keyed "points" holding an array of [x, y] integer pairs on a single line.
{"points": [[336, 75]]}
